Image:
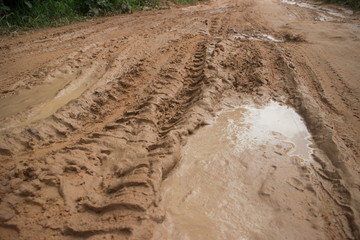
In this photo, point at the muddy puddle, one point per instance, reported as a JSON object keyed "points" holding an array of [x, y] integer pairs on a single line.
{"points": [[31, 97], [72, 91], [242, 177], [324, 14], [249, 126], [44, 100]]}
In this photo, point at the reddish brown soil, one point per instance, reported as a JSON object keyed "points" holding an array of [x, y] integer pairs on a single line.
{"points": [[93, 116]]}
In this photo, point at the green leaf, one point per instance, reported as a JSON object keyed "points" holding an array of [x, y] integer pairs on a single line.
{"points": [[28, 4]]}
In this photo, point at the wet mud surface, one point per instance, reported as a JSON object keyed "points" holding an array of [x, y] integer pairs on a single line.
{"points": [[224, 120], [246, 175]]}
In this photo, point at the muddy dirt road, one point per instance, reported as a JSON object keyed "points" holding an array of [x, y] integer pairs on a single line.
{"points": [[231, 119]]}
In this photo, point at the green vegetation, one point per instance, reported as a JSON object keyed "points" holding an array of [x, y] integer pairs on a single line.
{"points": [[354, 4], [26, 14], [185, 2]]}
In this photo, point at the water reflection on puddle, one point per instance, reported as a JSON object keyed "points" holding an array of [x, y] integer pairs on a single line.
{"points": [[321, 10], [257, 37], [237, 176], [250, 126]]}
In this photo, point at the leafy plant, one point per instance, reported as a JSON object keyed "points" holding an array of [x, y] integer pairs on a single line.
{"points": [[355, 4], [43, 13], [184, 2]]}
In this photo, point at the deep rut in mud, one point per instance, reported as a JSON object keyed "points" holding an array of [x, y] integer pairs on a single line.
{"points": [[88, 159]]}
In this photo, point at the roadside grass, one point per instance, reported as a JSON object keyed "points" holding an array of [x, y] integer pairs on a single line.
{"points": [[354, 4], [25, 15], [185, 2], [37, 14]]}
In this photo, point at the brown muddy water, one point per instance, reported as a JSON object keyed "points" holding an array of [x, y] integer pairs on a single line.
{"points": [[44, 100], [241, 178], [31, 97]]}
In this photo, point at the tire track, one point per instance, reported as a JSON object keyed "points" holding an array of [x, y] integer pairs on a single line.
{"points": [[94, 168]]}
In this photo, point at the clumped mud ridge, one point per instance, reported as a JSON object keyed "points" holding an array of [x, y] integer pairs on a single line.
{"points": [[94, 115]]}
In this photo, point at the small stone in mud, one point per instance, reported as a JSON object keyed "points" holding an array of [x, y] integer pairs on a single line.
{"points": [[26, 189], [6, 214], [6, 152], [211, 66], [293, 38], [13, 183]]}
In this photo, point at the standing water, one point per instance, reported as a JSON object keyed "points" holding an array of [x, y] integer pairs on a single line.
{"points": [[242, 178]]}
